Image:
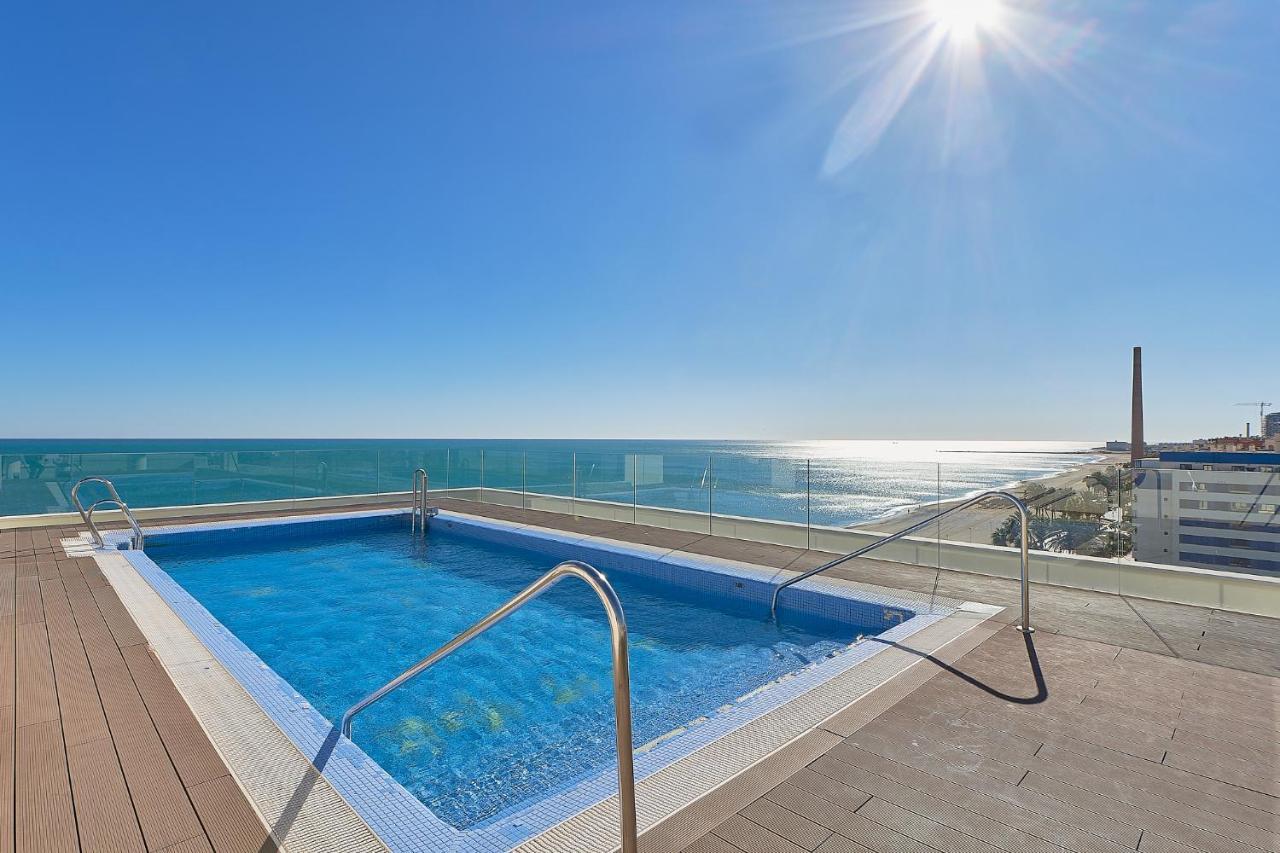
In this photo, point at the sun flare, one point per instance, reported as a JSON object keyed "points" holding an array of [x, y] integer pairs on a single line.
{"points": [[964, 18], [939, 59]]}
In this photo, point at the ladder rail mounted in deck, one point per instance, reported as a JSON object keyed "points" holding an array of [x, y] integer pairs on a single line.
{"points": [[114, 499], [595, 579], [1023, 516]]}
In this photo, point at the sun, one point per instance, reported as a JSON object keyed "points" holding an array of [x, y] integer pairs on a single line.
{"points": [[964, 18]]}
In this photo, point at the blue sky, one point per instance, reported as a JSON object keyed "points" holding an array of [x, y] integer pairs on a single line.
{"points": [[657, 219]]}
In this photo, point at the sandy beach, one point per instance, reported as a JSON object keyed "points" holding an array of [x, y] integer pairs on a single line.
{"points": [[977, 523]]}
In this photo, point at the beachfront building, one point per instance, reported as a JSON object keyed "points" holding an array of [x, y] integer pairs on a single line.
{"points": [[1271, 425], [1213, 510]]}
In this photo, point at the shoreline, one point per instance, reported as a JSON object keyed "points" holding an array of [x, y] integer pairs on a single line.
{"points": [[977, 523]]}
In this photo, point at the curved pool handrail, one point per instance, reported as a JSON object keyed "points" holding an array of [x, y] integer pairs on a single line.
{"points": [[138, 539], [75, 494], [595, 579], [419, 512], [87, 515], [1018, 504]]}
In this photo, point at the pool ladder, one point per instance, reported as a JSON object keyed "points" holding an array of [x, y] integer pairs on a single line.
{"points": [[1018, 504], [114, 500], [595, 579], [420, 512]]}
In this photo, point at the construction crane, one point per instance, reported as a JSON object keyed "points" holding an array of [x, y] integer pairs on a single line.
{"points": [[1262, 410]]}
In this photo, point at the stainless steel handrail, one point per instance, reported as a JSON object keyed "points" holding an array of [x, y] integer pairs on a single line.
{"points": [[138, 540], [621, 675], [115, 498], [75, 493], [419, 500], [1017, 502]]}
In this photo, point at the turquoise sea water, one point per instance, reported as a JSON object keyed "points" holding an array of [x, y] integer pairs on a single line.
{"points": [[522, 710], [823, 482]]}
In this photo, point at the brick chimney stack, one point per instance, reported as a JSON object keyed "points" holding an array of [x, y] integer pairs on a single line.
{"points": [[1137, 444]]}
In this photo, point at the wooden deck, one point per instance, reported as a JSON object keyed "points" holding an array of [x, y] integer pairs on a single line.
{"points": [[98, 751], [1157, 729], [1128, 751]]}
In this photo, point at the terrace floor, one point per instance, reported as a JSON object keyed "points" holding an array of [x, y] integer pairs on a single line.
{"points": [[1152, 727], [98, 750]]}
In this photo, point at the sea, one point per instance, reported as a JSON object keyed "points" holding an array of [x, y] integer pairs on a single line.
{"points": [[833, 482]]}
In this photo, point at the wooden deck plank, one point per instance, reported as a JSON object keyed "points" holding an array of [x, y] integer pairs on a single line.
{"points": [[193, 755], [78, 702], [36, 697], [6, 778], [751, 837], [118, 620], [8, 643], [1175, 830], [1232, 775], [783, 822], [936, 835], [830, 804], [712, 844], [232, 825], [1016, 807], [104, 809], [191, 845], [164, 810], [43, 816], [29, 609], [1209, 800], [1113, 787]]}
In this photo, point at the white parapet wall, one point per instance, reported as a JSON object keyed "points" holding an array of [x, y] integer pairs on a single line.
{"points": [[1233, 591]]}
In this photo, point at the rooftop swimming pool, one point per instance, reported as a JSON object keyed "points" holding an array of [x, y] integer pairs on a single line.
{"points": [[515, 731]]}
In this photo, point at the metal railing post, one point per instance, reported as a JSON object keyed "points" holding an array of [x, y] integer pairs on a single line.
{"points": [[419, 511], [808, 504], [710, 488], [635, 484], [1025, 625], [573, 494]]}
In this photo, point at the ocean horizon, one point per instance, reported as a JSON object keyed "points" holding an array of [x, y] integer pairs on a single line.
{"points": [[836, 482]]}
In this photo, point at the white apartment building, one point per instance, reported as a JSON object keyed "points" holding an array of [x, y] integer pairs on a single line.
{"points": [[1210, 510]]}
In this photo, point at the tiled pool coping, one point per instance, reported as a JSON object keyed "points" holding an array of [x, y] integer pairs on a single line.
{"points": [[402, 821]]}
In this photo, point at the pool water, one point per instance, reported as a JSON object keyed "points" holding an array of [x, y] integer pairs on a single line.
{"points": [[523, 710]]}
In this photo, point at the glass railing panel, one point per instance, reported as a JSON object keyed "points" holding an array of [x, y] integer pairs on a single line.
{"points": [[1073, 527], [397, 464], [764, 499], [329, 473], [503, 472], [243, 475], [356, 471], [142, 479], [1122, 515], [605, 485], [32, 483], [549, 480], [674, 490], [463, 477]]}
